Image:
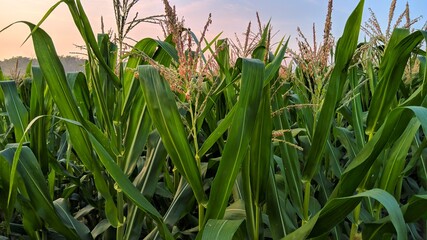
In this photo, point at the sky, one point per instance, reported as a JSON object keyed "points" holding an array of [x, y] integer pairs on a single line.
{"points": [[229, 17]]}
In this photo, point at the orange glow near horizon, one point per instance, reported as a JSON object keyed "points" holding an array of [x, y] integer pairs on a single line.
{"points": [[12, 38], [229, 17], [59, 25]]}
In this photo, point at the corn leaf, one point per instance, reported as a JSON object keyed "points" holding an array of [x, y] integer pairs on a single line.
{"points": [[164, 113], [344, 52], [32, 176], [289, 155], [337, 209], [272, 68], [4, 191], [414, 210], [146, 182], [80, 90], [139, 127], [395, 162], [64, 214], [218, 132], [238, 138], [126, 186], [101, 145], [390, 75], [146, 46], [275, 208], [392, 128], [347, 140], [257, 165], [357, 111], [54, 74], [16, 110], [221, 229], [38, 136], [181, 204]]}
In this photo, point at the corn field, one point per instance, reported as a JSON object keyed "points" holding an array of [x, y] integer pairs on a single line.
{"points": [[182, 139]]}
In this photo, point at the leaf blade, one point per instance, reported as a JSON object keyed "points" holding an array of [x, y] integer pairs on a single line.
{"points": [[239, 138], [164, 113]]}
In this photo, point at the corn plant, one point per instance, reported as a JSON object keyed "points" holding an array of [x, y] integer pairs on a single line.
{"points": [[168, 141]]}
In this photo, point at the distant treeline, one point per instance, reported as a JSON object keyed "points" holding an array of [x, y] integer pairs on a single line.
{"points": [[17, 65]]}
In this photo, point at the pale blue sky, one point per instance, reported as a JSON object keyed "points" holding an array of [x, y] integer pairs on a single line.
{"points": [[228, 16]]}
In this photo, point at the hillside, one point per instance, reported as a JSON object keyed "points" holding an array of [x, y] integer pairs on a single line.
{"points": [[18, 64]]}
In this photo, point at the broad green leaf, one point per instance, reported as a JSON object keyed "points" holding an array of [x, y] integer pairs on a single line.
{"points": [[211, 43], [218, 132], [64, 214], [344, 53], [223, 60], [289, 155], [181, 204], [84, 211], [414, 210], [256, 166], [239, 137], [31, 221], [54, 74], [164, 113], [423, 73], [146, 46], [395, 162], [333, 159], [275, 208], [223, 57], [16, 110], [418, 160], [393, 127], [4, 192], [103, 93], [102, 83], [273, 67], [155, 159], [357, 111], [80, 90], [138, 129], [347, 140], [147, 182], [101, 145], [35, 185], [337, 209], [100, 228], [261, 51], [251, 208], [38, 135], [221, 229], [169, 49], [390, 75]]}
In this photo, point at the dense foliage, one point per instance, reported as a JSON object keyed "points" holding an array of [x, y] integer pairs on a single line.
{"points": [[174, 141]]}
